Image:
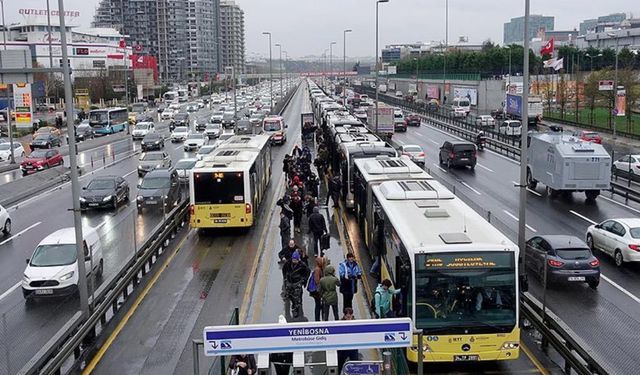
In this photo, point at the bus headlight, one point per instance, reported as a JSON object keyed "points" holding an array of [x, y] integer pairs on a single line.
{"points": [[425, 348], [509, 345]]}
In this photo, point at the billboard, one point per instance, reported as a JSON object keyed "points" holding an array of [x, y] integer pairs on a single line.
{"points": [[621, 102], [22, 102], [514, 105], [466, 92], [433, 92]]}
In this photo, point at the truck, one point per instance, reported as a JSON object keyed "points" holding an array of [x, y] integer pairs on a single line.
{"points": [[513, 108], [565, 164], [385, 120], [383, 88]]}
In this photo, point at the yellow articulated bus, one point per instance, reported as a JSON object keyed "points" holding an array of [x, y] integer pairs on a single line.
{"points": [[457, 273], [227, 187]]}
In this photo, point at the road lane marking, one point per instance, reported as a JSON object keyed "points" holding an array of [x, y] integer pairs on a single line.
{"points": [[440, 168], [518, 220], [583, 217], [10, 290], [470, 188], [134, 307], [20, 233], [129, 174], [483, 167], [623, 290], [399, 141], [619, 204]]}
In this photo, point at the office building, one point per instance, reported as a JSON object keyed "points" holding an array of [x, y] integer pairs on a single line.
{"points": [[602, 23], [232, 35], [514, 29]]}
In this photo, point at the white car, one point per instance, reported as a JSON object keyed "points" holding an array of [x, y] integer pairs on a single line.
{"points": [[53, 267], [184, 167], [485, 121], [141, 129], [167, 114], [626, 165], [5, 222], [459, 113], [194, 141], [206, 150], [212, 130], [510, 127], [5, 150], [179, 134], [618, 238], [226, 134], [414, 152]]}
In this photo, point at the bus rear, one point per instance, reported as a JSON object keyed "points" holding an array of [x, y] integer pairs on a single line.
{"points": [[220, 200]]}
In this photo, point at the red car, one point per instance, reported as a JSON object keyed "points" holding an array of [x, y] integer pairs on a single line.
{"points": [[589, 136], [39, 160], [412, 119]]}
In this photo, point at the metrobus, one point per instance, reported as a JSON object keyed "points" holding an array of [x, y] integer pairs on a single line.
{"points": [[109, 120], [169, 96], [227, 187], [457, 273]]}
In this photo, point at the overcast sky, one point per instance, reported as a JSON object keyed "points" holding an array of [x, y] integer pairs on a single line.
{"points": [[306, 27]]}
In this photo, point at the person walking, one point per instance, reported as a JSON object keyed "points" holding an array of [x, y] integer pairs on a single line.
{"points": [[287, 252], [243, 364], [314, 286], [285, 228], [317, 227], [351, 354], [295, 274], [383, 298], [334, 191], [349, 272], [328, 284], [296, 206]]}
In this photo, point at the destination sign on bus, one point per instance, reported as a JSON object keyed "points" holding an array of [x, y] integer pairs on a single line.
{"points": [[466, 260]]}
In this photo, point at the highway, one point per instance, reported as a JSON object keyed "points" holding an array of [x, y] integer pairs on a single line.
{"points": [[605, 318], [30, 324]]}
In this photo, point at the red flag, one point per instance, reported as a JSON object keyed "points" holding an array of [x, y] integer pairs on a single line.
{"points": [[547, 49]]}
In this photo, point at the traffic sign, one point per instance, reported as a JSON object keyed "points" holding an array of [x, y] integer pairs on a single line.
{"points": [[362, 368], [307, 336], [605, 85]]}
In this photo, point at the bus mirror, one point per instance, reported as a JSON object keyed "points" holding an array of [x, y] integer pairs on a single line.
{"points": [[524, 283]]}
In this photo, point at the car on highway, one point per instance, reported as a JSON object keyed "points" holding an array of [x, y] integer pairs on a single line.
{"points": [[148, 161], [192, 108], [142, 129], [159, 189], [5, 222], [212, 131], [399, 94], [510, 127], [414, 152], [184, 167], [152, 141], [627, 165], [107, 191], [216, 117], [458, 153], [565, 259], [194, 141], [167, 114], [360, 114], [181, 119], [52, 270], [161, 107], [589, 136], [5, 150], [256, 118], [48, 130], [201, 103], [244, 127], [412, 119], [84, 131], [228, 120], [276, 128], [39, 160], [179, 134], [143, 117], [398, 120], [485, 121], [617, 238], [459, 113], [45, 141], [201, 123]]}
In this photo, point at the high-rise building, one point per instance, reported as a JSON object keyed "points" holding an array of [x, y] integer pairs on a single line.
{"points": [[514, 29], [600, 24], [182, 34], [232, 35]]}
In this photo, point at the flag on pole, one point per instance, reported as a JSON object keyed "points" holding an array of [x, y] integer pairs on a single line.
{"points": [[547, 49], [558, 64], [549, 63]]}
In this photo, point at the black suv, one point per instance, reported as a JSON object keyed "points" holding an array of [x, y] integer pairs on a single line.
{"points": [[160, 189], [458, 153]]}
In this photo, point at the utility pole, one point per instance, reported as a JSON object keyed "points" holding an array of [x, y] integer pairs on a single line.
{"points": [[75, 184], [12, 159], [270, 70], [331, 58], [444, 53], [523, 144], [344, 66], [280, 48], [376, 64]]}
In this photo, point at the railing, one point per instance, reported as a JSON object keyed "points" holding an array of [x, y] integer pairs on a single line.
{"points": [[593, 127], [70, 339], [440, 76], [626, 192], [577, 354]]}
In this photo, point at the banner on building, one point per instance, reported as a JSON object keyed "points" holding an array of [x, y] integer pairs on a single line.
{"points": [[392, 69], [621, 101], [466, 92], [145, 62], [23, 108], [433, 92], [140, 92]]}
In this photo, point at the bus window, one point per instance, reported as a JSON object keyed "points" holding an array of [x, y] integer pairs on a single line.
{"points": [[98, 118], [219, 188]]}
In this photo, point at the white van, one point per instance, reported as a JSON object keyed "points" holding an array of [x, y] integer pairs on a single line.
{"points": [[461, 103], [52, 270], [511, 128]]}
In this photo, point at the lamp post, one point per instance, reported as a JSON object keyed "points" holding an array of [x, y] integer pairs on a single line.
{"points": [[286, 74], [280, 49], [591, 58], [615, 89], [324, 68], [331, 58], [344, 66], [416, 61], [376, 64], [522, 209], [446, 48], [12, 159], [270, 71]]}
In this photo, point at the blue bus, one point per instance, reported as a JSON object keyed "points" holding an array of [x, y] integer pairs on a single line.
{"points": [[109, 120]]}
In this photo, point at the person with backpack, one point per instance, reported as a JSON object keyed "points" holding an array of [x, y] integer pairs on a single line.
{"points": [[383, 299], [328, 284], [313, 286], [295, 274], [349, 273]]}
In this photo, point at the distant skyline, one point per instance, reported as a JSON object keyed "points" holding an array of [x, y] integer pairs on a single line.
{"points": [[307, 27]]}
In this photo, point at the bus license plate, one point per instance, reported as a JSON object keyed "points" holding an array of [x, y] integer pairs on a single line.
{"points": [[576, 278], [465, 358], [220, 221], [44, 291]]}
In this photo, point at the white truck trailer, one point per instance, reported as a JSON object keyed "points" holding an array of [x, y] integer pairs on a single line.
{"points": [[566, 164]]}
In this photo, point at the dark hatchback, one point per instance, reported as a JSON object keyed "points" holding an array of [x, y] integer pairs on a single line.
{"points": [[84, 132], [567, 258], [412, 119], [181, 119], [45, 141], [160, 189], [458, 154], [152, 141], [106, 191]]}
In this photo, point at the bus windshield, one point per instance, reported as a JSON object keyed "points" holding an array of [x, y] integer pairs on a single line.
{"points": [[218, 187], [465, 292], [98, 118]]}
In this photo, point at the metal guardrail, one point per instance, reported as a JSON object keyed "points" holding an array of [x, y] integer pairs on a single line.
{"points": [[626, 192], [69, 340], [583, 125], [577, 354]]}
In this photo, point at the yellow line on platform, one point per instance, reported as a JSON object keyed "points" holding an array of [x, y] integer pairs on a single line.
{"points": [[533, 359]]}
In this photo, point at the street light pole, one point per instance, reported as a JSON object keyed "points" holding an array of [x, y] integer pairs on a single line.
{"points": [[280, 48], [344, 66], [12, 159], [73, 165], [270, 71], [615, 90], [446, 48], [523, 142], [376, 64], [331, 58], [416, 60]]}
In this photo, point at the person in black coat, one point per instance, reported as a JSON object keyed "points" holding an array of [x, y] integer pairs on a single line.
{"points": [[244, 364], [296, 206], [285, 229], [317, 227]]}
